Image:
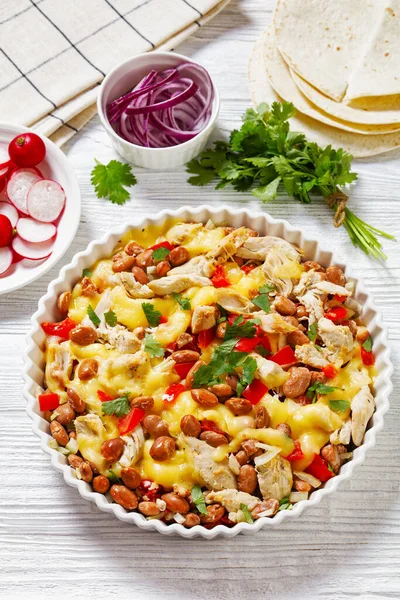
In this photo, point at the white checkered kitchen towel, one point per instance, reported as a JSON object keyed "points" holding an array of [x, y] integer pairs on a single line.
{"points": [[55, 53]]}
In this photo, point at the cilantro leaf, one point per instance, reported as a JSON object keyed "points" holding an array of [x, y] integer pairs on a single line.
{"points": [[110, 318], [312, 332], [268, 192], [110, 180], [184, 303], [262, 351], [367, 345], [247, 514], [262, 301], [153, 316], [249, 370], [267, 288], [241, 328], [112, 477], [320, 388], [160, 253], [92, 316], [202, 175], [223, 313], [204, 377], [198, 499], [86, 273], [339, 405], [118, 407], [220, 363], [153, 347]]}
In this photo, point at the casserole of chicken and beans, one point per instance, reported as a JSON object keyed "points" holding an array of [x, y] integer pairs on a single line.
{"points": [[207, 375]]}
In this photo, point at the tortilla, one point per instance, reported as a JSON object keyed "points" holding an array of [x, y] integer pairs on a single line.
{"points": [[283, 84], [346, 112], [358, 145], [323, 40]]}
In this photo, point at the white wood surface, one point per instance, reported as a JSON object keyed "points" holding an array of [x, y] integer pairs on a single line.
{"points": [[53, 544]]}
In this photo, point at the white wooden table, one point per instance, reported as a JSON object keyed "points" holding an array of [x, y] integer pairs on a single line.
{"points": [[53, 544]]}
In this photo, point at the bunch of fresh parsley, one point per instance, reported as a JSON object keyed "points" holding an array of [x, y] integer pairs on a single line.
{"points": [[265, 155]]}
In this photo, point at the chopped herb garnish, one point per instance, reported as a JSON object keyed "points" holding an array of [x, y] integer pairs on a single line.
{"points": [[262, 301], [184, 303], [110, 318], [109, 181], [223, 313], [320, 388], [153, 316], [118, 407], [198, 499], [241, 328], [367, 345], [160, 253], [267, 288], [112, 477], [339, 405], [86, 273], [153, 347], [262, 351], [312, 332], [249, 370], [247, 514], [221, 362], [92, 316]]}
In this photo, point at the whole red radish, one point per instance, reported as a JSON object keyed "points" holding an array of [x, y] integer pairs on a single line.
{"points": [[6, 231], [27, 150]]}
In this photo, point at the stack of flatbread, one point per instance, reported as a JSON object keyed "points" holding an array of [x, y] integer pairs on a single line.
{"points": [[338, 62]]}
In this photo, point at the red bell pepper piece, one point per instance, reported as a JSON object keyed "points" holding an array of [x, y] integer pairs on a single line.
{"points": [[172, 346], [247, 268], [103, 396], [48, 401], [205, 338], [264, 342], [60, 329], [297, 453], [255, 391], [151, 489], [330, 371], [319, 469], [171, 393], [340, 298], [247, 344], [183, 369], [286, 356], [336, 314], [368, 358], [131, 420], [163, 319], [208, 425], [165, 244], [219, 278]]}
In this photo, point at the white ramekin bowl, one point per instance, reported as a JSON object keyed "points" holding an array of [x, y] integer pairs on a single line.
{"points": [[121, 80], [264, 224]]}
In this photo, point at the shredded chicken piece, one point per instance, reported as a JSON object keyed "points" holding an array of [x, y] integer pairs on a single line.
{"points": [[279, 257], [195, 266], [215, 475], [231, 499], [225, 249], [362, 409], [274, 323], [310, 355], [342, 435], [133, 288], [119, 337], [269, 372], [182, 232], [177, 283], [90, 435], [203, 317], [275, 478], [59, 363], [134, 443], [234, 302], [338, 341], [257, 248]]}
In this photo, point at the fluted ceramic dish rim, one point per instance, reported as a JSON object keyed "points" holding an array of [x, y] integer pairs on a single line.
{"points": [[263, 223]]}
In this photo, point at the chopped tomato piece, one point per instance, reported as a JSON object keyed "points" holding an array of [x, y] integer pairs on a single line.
{"points": [[165, 244], [60, 329], [48, 401], [297, 453], [205, 338], [286, 356], [368, 358], [131, 420], [183, 369], [219, 278], [255, 391], [340, 298], [208, 425], [163, 319], [330, 371], [319, 469], [151, 489], [336, 314], [171, 393], [103, 396], [247, 344], [247, 268]]}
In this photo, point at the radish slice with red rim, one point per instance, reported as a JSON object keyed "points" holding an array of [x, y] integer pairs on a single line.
{"points": [[19, 185], [9, 211], [6, 258], [35, 231], [46, 200], [30, 250]]}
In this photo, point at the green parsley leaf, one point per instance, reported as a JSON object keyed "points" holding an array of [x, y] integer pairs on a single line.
{"points": [[320, 388], [247, 514], [153, 316], [241, 328], [221, 362], [223, 313], [312, 332], [339, 405], [86, 273], [268, 192], [118, 407], [160, 253], [367, 345], [330, 468], [267, 288], [284, 504], [262, 301], [249, 370], [204, 377], [184, 303], [262, 351], [110, 180], [92, 316], [112, 477], [198, 499], [153, 347], [110, 318]]}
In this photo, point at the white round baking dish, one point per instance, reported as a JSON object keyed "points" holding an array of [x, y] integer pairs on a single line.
{"points": [[264, 224]]}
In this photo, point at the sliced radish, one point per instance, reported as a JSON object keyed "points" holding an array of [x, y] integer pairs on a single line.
{"points": [[10, 211], [6, 258], [19, 185], [46, 200], [35, 231], [32, 251]]}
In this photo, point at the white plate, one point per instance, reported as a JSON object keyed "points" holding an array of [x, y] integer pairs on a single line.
{"points": [[55, 166], [264, 224]]}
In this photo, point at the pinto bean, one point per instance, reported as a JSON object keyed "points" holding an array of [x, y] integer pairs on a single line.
{"points": [[143, 402], [301, 312], [331, 454], [178, 256], [76, 401], [285, 428], [362, 334], [317, 376], [83, 335], [163, 448], [232, 380], [291, 320], [301, 486], [124, 497], [242, 457], [335, 275], [239, 406], [85, 472], [74, 460], [297, 383], [249, 446], [140, 332], [214, 439], [122, 262], [190, 375], [162, 268], [148, 509], [311, 264], [284, 306], [185, 356], [144, 259], [88, 369], [221, 330], [221, 390], [271, 505], [262, 417], [88, 288], [101, 484], [65, 413], [204, 397], [133, 248], [190, 426], [297, 338], [130, 477], [191, 520], [113, 449], [155, 426], [215, 512], [140, 275], [175, 503], [247, 479], [63, 302], [59, 434]]}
